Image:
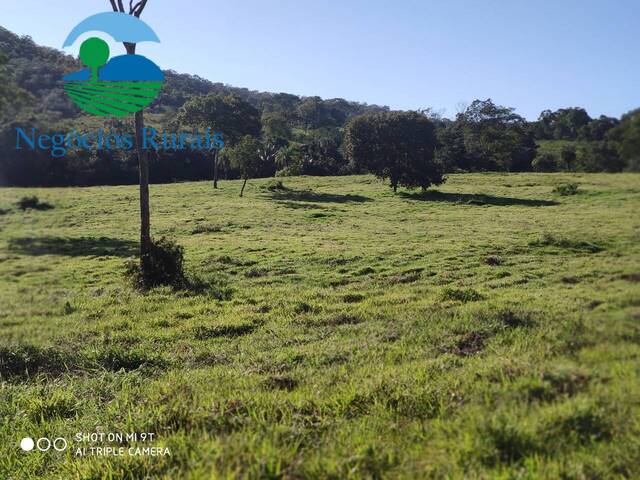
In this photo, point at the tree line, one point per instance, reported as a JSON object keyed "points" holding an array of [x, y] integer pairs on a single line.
{"points": [[283, 134]]}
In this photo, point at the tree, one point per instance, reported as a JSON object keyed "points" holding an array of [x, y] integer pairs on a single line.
{"points": [[563, 124], [245, 155], [143, 161], [495, 138], [597, 129], [226, 114], [94, 53], [627, 139], [568, 156], [394, 145], [545, 162], [275, 129], [600, 157]]}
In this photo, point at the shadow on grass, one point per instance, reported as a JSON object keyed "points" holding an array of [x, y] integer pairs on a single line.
{"points": [[475, 199], [317, 197], [74, 247]]}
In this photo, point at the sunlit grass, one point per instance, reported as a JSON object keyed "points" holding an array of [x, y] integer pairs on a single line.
{"points": [[489, 330]]}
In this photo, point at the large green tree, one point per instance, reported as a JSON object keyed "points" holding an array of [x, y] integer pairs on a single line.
{"points": [[226, 114], [495, 138], [627, 139], [398, 146]]}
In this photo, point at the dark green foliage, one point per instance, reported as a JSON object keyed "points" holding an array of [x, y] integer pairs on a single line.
{"points": [[398, 146], [245, 157], [493, 260], [20, 361], [550, 240], [598, 128], [229, 114], [627, 138], [33, 202], [566, 189], [115, 358], [206, 228], [165, 266], [545, 162], [600, 157], [568, 156], [485, 136], [204, 333], [276, 185], [563, 124], [461, 295]]}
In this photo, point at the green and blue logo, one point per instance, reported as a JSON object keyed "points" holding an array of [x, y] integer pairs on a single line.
{"points": [[118, 86]]}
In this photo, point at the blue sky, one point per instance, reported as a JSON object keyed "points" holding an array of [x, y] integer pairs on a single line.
{"points": [[407, 54]]}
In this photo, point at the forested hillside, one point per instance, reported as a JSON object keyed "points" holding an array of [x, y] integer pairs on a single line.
{"points": [[293, 135]]}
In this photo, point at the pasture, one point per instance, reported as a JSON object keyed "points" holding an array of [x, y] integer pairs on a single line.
{"points": [[489, 329]]}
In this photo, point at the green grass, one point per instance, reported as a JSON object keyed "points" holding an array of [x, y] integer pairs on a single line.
{"points": [[489, 330]]}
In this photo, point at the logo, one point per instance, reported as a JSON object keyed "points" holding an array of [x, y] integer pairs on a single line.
{"points": [[118, 86]]}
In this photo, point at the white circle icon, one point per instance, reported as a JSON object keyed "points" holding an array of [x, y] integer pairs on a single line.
{"points": [[43, 440], [27, 444], [60, 444]]}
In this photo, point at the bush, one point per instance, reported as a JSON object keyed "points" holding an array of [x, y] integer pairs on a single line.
{"points": [[461, 295], [566, 189], [34, 203], [545, 162], [275, 185], [163, 266]]}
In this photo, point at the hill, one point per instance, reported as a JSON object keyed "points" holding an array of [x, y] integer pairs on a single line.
{"points": [[39, 70], [485, 330]]}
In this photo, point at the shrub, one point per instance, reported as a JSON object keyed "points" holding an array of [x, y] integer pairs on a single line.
{"points": [[206, 228], [275, 185], [566, 189], [461, 295], [163, 266], [493, 260], [34, 203]]}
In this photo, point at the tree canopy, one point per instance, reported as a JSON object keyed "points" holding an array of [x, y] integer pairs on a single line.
{"points": [[398, 146]]}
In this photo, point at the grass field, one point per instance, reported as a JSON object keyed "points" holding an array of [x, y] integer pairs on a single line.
{"points": [[488, 330]]}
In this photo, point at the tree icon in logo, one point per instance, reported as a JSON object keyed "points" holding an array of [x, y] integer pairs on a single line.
{"points": [[118, 86], [94, 53]]}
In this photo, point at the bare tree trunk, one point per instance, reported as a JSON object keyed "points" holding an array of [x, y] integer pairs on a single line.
{"points": [[143, 169], [215, 169], [243, 185], [143, 161]]}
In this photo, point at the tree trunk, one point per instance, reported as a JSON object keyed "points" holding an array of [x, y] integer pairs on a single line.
{"points": [[243, 185], [215, 169], [143, 169]]}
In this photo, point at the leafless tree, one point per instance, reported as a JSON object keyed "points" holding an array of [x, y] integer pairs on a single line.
{"points": [[143, 160]]}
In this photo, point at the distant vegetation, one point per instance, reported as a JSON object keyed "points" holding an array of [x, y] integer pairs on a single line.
{"points": [[293, 135]]}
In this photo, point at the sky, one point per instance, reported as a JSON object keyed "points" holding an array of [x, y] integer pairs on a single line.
{"points": [[408, 54]]}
